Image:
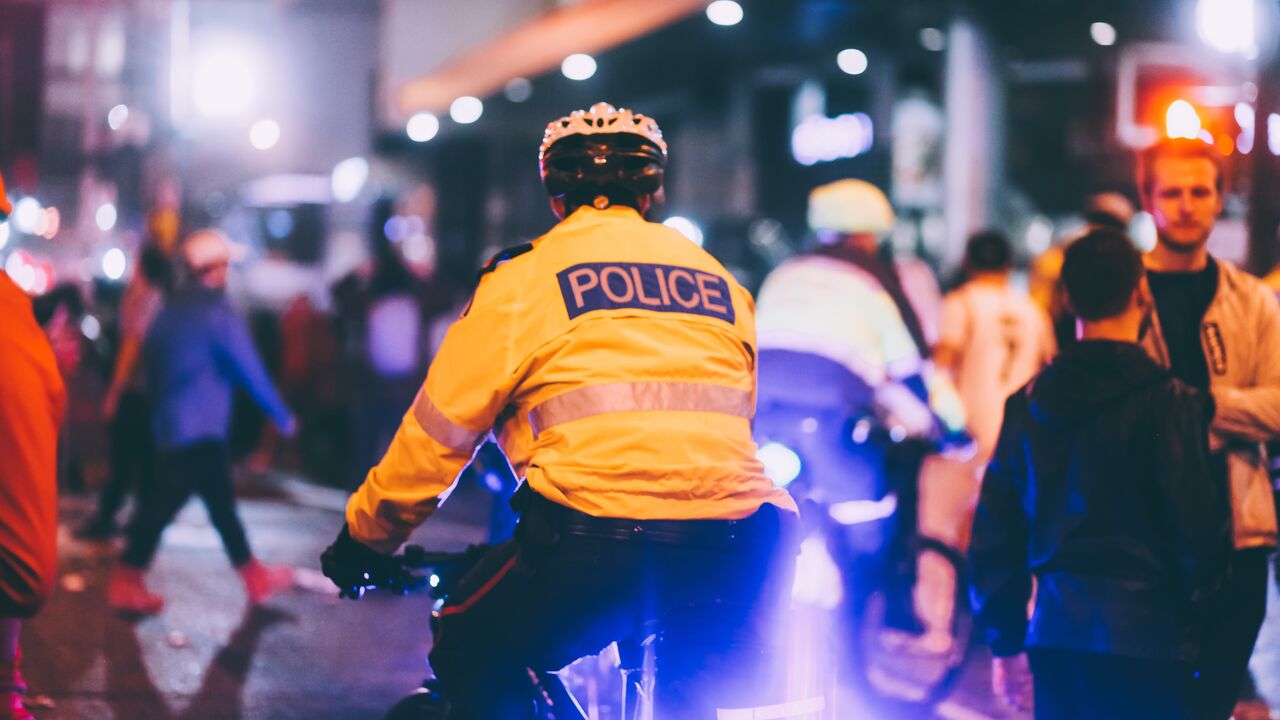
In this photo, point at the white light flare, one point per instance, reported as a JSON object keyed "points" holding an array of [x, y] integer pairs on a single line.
{"points": [[114, 264], [725, 13], [466, 110], [578, 66], [685, 227]]}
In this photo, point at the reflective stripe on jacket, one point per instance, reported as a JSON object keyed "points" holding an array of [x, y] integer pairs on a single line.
{"points": [[1240, 335], [615, 362]]}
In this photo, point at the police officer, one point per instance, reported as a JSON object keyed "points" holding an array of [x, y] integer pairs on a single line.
{"points": [[615, 363], [844, 331]]}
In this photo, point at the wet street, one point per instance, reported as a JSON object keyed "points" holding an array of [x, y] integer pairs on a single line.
{"points": [[305, 654]]}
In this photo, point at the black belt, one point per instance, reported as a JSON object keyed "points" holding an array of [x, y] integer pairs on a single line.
{"points": [[705, 533]]}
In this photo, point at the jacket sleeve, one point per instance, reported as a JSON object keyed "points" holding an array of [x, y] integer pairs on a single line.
{"points": [[240, 360], [1001, 582], [1197, 516], [468, 385], [1252, 413]]}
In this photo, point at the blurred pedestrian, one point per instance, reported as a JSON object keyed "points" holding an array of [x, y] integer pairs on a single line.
{"points": [[395, 351], [32, 400], [1217, 329], [1100, 489], [126, 405], [195, 354], [994, 339]]}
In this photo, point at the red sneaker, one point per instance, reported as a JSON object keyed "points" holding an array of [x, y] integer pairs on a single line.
{"points": [[13, 709], [127, 593], [12, 686], [263, 581]]}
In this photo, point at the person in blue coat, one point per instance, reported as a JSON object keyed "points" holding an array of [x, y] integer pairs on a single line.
{"points": [[195, 355]]}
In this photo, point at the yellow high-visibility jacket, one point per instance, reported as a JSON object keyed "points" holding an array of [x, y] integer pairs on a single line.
{"points": [[615, 363]]}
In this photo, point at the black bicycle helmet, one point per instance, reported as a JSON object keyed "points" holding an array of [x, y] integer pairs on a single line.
{"points": [[602, 152]]}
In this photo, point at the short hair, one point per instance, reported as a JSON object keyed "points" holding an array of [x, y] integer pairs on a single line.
{"points": [[988, 250], [1100, 271], [1183, 148]]}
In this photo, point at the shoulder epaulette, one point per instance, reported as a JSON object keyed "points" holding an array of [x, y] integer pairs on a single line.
{"points": [[502, 256]]}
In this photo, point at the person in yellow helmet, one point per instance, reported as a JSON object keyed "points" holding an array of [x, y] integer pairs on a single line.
{"points": [[845, 334], [614, 360]]}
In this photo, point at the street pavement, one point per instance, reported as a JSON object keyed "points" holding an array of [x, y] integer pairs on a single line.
{"points": [[305, 654]]}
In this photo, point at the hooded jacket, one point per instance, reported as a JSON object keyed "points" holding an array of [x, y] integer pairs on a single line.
{"points": [[1100, 487]]}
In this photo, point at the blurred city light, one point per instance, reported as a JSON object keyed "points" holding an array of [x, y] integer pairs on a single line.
{"points": [[4, 233], [279, 223], [1103, 33], [1181, 120], [90, 326], [224, 82], [578, 66], [418, 248], [724, 12], [1227, 25], [1246, 119], [852, 61], [823, 139], [1142, 228], [48, 221], [105, 216], [33, 277], [781, 464], [466, 110], [348, 178], [517, 90], [1273, 133], [422, 127], [685, 227], [117, 117], [933, 39], [26, 213], [114, 264], [1039, 234], [396, 228], [264, 134]]}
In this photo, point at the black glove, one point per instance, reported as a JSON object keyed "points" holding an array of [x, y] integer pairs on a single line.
{"points": [[355, 567]]}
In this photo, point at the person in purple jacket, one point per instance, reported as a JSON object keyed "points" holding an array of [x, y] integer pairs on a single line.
{"points": [[195, 354]]}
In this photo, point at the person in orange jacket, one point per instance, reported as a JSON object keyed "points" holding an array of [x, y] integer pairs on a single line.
{"points": [[32, 399]]}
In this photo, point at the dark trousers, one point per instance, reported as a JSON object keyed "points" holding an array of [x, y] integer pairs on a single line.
{"points": [[132, 456], [1078, 686], [202, 468], [550, 596], [1234, 621]]}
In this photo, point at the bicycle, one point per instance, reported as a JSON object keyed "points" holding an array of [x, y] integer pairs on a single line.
{"points": [[861, 526], [618, 683]]}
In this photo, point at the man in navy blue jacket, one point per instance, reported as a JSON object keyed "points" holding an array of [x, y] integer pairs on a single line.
{"points": [[196, 353], [1100, 488]]}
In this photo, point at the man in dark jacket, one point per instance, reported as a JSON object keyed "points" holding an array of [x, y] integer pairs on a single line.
{"points": [[1100, 488]]}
